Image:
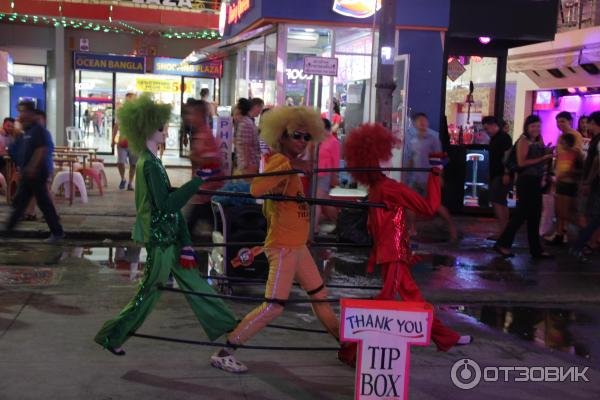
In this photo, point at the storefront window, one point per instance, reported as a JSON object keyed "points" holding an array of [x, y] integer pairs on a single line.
{"points": [[29, 84], [94, 108], [470, 96], [302, 89], [466, 107], [354, 82], [163, 89], [270, 69]]}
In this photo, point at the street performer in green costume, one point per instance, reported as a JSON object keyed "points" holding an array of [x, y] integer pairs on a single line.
{"points": [[160, 227]]}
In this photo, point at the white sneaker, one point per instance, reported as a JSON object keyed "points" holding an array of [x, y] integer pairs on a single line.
{"points": [[227, 363]]}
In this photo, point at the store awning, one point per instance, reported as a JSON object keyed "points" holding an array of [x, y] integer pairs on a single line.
{"points": [[220, 49], [571, 60]]}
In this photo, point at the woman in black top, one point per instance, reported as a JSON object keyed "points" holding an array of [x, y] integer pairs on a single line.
{"points": [[532, 159]]}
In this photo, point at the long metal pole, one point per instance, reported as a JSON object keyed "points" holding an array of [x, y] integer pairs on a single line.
{"points": [[385, 71]]}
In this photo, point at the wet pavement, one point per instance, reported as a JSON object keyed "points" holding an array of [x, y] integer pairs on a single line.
{"points": [[54, 298]]}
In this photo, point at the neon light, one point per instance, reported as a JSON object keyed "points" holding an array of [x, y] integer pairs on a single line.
{"points": [[485, 39], [237, 10]]}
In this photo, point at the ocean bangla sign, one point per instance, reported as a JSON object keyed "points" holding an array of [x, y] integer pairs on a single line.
{"points": [[384, 331], [166, 3]]}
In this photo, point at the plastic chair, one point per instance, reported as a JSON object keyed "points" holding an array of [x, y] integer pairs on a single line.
{"points": [[75, 137], [475, 158], [99, 166], [94, 176], [62, 179]]}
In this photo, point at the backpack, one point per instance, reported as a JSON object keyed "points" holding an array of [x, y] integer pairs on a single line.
{"points": [[510, 159]]}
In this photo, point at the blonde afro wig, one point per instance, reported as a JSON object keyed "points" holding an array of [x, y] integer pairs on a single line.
{"points": [[279, 120]]}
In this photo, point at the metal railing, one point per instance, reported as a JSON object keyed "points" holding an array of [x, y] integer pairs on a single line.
{"points": [[578, 14]]}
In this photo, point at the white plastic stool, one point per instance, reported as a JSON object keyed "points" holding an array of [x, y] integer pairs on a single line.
{"points": [[62, 178], [475, 158], [98, 166]]}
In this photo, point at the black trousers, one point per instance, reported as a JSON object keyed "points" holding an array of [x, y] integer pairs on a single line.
{"points": [[529, 209], [29, 188]]}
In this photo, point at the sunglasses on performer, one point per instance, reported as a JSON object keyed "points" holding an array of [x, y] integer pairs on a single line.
{"points": [[301, 135]]}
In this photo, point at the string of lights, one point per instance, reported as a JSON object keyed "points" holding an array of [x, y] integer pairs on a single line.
{"points": [[118, 27]]}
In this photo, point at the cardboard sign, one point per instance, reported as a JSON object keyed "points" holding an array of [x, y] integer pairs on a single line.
{"points": [[225, 138], [384, 330], [320, 66]]}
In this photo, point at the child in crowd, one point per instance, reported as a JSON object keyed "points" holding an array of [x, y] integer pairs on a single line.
{"points": [[569, 163]]}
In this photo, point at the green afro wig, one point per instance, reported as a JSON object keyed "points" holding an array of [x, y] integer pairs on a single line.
{"points": [[139, 119]]}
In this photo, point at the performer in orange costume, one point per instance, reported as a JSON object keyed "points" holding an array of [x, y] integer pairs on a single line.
{"points": [[367, 146]]}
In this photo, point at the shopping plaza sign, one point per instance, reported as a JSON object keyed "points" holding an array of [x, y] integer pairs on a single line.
{"points": [[384, 331], [174, 66]]}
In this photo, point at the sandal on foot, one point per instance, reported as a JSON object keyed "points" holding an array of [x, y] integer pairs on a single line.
{"points": [[227, 363]]}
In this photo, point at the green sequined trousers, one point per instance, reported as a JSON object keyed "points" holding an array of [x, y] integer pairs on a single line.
{"points": [[160, 225]]}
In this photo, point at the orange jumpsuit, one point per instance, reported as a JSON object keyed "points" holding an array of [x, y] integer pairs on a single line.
{"points": [[391, 248]]}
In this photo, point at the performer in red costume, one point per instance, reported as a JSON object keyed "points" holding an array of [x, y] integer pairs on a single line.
{"points": [[367, 146]]}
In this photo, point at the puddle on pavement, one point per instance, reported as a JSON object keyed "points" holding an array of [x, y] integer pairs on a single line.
{"points": [[570, 331]]}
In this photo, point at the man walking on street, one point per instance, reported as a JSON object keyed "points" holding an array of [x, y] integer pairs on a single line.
{"points": [[35, 173]]}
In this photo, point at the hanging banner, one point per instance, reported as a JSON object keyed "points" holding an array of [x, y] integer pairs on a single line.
{"points": [[225, 139], [384, 331], [109, 63], [173, 66]]}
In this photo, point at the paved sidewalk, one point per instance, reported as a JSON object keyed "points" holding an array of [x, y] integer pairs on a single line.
{"points": [[109, 216]]}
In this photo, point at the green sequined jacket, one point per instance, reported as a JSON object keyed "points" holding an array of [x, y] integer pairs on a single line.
{"points": [[159, 221]]}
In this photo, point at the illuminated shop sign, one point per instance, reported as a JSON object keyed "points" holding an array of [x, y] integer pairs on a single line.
{"points": [[173, 66], [356, 8], [237, 10], [167, 3], [109, 63], [152, 85]]}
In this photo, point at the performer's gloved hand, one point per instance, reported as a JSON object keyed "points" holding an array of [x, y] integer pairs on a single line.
{"points": [[188, 258], [208, 171]]}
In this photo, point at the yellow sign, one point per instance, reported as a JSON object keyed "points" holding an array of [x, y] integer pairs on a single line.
{"points": [[151, 85]]}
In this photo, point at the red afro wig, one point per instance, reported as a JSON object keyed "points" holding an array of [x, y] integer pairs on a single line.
{"points": [[366, 146]]}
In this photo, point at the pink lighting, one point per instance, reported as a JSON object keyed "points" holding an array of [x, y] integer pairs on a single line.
{"points": [[572, 90], [485, 39]]}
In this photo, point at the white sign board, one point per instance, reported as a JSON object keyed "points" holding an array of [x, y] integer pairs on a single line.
{"points": [[384, 331], [84, 44], [320, 66], [224, 135]]}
